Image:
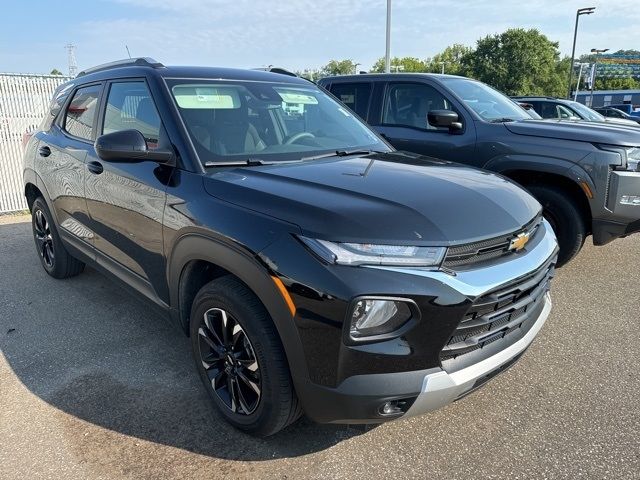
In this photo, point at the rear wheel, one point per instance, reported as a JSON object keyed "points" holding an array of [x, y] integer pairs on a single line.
{"points": [[240, 358], [55, 259], [565, 219]]}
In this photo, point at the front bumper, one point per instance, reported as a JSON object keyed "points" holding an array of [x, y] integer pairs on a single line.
{"points": [[359, 396], [618, 218], [442, 388]]}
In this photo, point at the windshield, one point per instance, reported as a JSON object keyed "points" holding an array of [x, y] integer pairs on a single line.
{"points": [[586, 112], [268, 121], [484, 100]]}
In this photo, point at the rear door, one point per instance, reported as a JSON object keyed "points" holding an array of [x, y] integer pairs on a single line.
{"points": [[356, 96], [61, 160], [126, 200], [403, 122]]}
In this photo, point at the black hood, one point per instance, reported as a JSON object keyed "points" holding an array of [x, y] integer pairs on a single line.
{"points": [[592, 132], [383, 198]]}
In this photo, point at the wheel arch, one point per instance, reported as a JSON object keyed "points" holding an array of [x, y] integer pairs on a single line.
{"points": [[558, 173], [197, 259]]}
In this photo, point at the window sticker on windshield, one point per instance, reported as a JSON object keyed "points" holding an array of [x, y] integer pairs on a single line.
{"points": [[347, 98], [206, 97], [291, 96]]}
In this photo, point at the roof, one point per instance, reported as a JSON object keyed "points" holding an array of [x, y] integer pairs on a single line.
{"points": [[148, 66], [611, 92], [381, 76]]}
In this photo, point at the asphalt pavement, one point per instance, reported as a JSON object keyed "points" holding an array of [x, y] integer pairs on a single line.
{"points": [[93, 385]]}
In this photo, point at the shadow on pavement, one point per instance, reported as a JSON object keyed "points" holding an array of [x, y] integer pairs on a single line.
{"points": [[92, 351]]}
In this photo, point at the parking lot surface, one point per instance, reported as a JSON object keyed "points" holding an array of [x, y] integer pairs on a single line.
{"points": [[94, 385]]}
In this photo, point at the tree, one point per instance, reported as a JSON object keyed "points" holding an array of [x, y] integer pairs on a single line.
{"points": [[452, 57], [338, 67], [406, 64], [55, 71], [518, 62]]}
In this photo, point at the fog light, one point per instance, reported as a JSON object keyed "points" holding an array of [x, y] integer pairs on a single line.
{"points": [[377, 316], [630, 200], [391, 408]]}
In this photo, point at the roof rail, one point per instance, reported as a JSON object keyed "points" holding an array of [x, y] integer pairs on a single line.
{"points": [[128, 62], [279, 70]]}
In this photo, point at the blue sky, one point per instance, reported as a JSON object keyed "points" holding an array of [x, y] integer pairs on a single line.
{"points": [[291, 33]]}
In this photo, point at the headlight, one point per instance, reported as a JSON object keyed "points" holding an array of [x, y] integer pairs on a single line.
{"points": [[368, 254], [633, 158]]}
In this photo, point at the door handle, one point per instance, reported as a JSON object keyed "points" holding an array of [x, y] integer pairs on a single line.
{"points": [[95, 167], [44, 151]]}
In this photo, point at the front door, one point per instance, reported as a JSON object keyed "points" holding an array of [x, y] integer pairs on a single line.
{"points": [[126, 200], [404, 123]]}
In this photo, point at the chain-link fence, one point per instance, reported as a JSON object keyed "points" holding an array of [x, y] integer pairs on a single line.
{"points": [[23, 102]]}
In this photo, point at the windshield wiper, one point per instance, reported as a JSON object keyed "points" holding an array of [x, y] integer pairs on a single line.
{"points": [[502, 120], [342, 153], [249, 162]]}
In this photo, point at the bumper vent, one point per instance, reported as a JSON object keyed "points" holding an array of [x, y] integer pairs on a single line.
{"points": [[497, 316], [477, 252]]}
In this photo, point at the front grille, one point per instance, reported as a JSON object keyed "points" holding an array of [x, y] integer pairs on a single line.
{"points": [[496, 315], [476, 252]]}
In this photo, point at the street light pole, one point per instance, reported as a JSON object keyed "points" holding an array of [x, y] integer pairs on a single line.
{"points": [[595, 71], [580, 11], [387, 55], [442, 63], [575, 96]]}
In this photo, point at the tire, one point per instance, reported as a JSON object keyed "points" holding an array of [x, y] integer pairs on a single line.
{"points": [[54, 257], [253, 350], [565, 219]]}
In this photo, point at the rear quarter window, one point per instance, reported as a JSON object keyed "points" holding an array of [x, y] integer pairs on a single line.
{"points": [[356, 96]]}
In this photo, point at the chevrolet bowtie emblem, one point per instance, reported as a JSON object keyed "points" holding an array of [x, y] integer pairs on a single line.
{"points": [[519, 242]]}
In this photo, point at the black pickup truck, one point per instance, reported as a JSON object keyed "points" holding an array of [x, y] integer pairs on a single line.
{"points": [[585, 175]]}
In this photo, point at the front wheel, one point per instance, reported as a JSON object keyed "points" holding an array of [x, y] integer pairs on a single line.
{"points": [[240, 358], [565, 219]]}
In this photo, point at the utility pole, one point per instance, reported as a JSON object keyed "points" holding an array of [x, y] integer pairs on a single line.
{"points": [[387, 55], [443, 63], [580, 11], [595, 72], [71, 57]]}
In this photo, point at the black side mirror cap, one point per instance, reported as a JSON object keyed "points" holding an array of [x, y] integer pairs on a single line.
{"points": [[444, 119], [130, 146]]}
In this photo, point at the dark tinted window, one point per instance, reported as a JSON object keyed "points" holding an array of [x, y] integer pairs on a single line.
{"points": [[546, 109], [81, 112], [354, 95], [407, 104], [130, 107]]}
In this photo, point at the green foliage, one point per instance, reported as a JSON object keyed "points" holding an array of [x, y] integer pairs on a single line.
{"points": [[55, 71], [453, 58], [338, 67], [625, 83], [407, 64], [517, 62]]}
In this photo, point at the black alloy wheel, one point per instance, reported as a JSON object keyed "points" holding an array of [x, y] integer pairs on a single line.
{"points": [[230, 362], [44, 238]]}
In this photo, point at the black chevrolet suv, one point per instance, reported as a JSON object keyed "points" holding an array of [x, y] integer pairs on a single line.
{"points": [[314, 268], [586, 175]]}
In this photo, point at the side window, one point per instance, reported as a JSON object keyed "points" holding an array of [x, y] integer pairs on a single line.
{"points": [[407, 104], [356, 96], [564, 112], [547, 110], [81, 112], [130, 107]]}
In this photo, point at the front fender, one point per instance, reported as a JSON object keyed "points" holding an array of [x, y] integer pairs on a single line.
{"points": [[250, 271]]}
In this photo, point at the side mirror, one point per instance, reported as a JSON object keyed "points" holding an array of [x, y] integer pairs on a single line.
{"points": [[130, 146], [444, 118]]}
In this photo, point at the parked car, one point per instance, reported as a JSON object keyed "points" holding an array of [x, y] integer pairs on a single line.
{"points": [[315, 269], [530, 110], [561, 109], [585, 175], [628, 108], [610, 112]]}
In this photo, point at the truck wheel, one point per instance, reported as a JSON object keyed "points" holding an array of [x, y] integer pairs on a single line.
{"points": [[55, 259], [240, 358], [565, 219]]}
